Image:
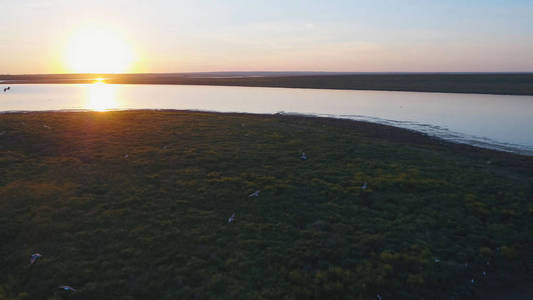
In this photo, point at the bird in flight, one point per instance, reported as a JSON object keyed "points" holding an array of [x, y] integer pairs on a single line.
{"points": [[232, 218], [304, 156], [34, 258], [67, 288]]}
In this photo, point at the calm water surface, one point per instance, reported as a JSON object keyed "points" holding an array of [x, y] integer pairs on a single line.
{"points": [[492, 121]]}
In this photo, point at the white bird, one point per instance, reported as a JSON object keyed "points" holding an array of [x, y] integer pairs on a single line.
{"points": [[378, 296], [254, 194], [67, 288], [437, 260], [472, 281], [303, 157], [364, 186], [232, 218], [34, 258]]}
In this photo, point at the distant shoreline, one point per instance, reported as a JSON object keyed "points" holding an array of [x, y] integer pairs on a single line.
{"points": [[471, 83]]}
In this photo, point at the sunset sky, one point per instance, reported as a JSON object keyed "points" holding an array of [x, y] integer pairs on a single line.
{"points": [[65, 36]]}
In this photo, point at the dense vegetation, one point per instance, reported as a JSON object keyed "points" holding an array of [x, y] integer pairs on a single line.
{"points": [[134, 205], [484, 83]]}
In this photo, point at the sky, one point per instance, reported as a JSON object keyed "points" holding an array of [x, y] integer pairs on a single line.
{"points": [[71, 36]]}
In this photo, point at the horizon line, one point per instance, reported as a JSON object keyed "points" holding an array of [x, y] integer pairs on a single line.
{"points": [[278, 72]]}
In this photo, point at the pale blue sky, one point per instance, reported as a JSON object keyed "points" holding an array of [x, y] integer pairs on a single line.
{"points": [[358, 36]]}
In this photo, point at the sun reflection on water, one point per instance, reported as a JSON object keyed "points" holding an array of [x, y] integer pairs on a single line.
{"points": [[101, 96]]}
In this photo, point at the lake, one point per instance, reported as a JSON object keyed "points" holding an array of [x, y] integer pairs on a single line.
{"points": [[491, 121]]}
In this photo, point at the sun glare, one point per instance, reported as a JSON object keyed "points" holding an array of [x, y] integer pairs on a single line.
{"points": [[101, 96], [98, 50]]}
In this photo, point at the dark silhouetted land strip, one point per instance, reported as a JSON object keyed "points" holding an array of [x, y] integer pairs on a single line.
{"points": [[134, 205], [483, 83]]}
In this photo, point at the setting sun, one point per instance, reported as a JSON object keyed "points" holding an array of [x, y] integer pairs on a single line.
{"points": [[98, 50], [239, 149]]}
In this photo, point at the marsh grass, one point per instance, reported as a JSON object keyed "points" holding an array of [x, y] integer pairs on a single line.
{"points": [[153, 225]]}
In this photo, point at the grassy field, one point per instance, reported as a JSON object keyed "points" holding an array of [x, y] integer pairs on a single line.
{"points": [[482, 83], [135, 205]]}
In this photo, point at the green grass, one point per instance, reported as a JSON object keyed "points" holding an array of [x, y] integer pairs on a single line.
{"points": [[154, 225]]}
